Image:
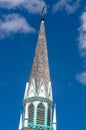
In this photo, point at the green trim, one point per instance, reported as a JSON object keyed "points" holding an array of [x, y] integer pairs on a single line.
{"points": [[26, 119], [30, 125], [54, 123]]}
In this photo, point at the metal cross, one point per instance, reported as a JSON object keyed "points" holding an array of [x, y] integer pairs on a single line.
{"points": [[43, 9]]}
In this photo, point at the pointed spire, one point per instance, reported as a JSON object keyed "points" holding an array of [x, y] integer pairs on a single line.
{"points": [[54, 118], [40, 68], [26, 90], [21, 122]]}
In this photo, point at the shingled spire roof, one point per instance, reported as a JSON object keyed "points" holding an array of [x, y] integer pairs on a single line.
{"points": [[40, 68]]}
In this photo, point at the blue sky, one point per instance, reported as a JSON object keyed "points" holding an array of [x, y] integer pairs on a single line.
{"points": [[65, 23]]}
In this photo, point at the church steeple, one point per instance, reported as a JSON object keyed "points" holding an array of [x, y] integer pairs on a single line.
{"points": [[38, 102], [40, 69]]}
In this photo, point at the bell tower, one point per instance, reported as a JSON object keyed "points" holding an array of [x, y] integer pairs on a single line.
{"points": [[38, 101]]}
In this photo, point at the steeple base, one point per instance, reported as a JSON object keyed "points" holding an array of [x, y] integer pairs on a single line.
{"points": [[29, 129], [39, 128]]}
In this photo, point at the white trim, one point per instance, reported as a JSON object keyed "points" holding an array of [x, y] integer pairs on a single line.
{"points": [[20, 123]]}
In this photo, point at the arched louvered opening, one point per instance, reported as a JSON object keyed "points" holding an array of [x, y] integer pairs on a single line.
{"points": [[31, 113], [40, 114], [49, 116]]}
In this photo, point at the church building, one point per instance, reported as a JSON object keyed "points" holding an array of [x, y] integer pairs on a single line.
{"points": [[39, 110]]}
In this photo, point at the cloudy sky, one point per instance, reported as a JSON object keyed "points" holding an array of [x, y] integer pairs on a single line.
{"points": [[65, 23]]}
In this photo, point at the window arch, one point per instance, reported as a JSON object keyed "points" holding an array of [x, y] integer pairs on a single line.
{"points": [[49, 116], [40, 114], [31, 113]]}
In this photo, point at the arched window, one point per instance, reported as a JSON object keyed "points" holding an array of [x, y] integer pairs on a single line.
{"points": [[49, 116], [31, 113], [40, 114]]}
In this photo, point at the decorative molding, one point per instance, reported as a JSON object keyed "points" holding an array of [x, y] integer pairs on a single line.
{"points": [[33, 99], [41, 91]]}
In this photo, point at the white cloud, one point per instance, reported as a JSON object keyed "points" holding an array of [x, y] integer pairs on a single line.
{"points": [[33, 6], [81, 77], [14, 23], [70, 6], [82, 36]]}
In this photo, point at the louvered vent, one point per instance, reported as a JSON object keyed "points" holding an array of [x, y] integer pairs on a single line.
{"points": [[40, 114], [31, 113], [49, 117]]}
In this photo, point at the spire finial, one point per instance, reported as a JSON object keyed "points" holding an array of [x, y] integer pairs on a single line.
{"points": [[43, 9]]}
